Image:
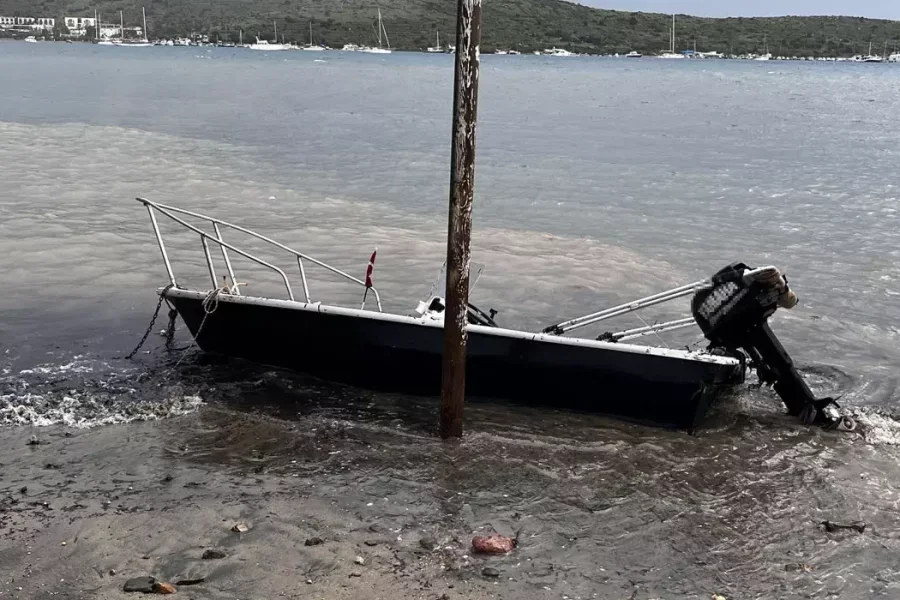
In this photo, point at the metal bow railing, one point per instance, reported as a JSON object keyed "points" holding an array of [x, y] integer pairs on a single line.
{"points": [[217, 224]]}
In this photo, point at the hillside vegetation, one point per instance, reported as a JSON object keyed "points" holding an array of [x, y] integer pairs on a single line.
{"points": [[516, 24]]}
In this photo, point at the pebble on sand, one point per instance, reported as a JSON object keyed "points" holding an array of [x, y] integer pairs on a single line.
{"points": [[212, 554], [143, 585], [163, 588], [428, 543], [493, 544], [241, 528], [490, 572], [359, 560], [313, 541]]}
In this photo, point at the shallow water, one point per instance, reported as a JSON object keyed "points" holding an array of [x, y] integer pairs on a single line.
{"points": [[598, 181]]}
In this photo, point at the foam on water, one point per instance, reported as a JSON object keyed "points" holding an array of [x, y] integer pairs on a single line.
{"points": [[84, 393]]}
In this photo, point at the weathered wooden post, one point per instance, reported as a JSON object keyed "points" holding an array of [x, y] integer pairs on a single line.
{"points": [[459, 228]]}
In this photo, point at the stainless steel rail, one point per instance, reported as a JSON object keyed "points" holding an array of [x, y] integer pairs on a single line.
{"points": [[205, 237]]}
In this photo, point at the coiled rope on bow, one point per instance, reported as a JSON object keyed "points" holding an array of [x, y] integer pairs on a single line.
{"points": [[210, 304]]}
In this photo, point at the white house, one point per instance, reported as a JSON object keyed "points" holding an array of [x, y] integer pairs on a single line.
{"points": [[35, 24], [79, 25]]}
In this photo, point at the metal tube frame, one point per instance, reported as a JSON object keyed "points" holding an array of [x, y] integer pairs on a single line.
{"points": [[299, 255], [162, 246], [235, 289], [629, 334], [628, 307], [204, 235]]}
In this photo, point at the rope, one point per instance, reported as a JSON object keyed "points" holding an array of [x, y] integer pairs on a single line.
{"points": [[210, 304], [162, 297]]}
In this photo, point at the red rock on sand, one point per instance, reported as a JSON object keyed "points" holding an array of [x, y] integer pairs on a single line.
{"points": [[163, 588], [493, 544]]}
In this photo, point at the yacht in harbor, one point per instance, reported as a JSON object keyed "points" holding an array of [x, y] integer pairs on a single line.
{"points": [[634, 54], [767, 55], [671, 53], [312, 46], [873, 58], [265, 46], [437, 45], [382, 38], [558, 52]]}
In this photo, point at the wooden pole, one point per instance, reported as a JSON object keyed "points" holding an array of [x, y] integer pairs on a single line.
{"points": [[459, 227]]}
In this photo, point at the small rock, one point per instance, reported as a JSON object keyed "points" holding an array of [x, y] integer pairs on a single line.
{"points": [[194, 581], [355, 574], [359, 560], [490, 572], [63, 544], [211, 554], [313, 541], [51, 466], [143, 585], [112, 572], [493, 544], [717, 597], [23, 489], [370, 543], [168, 478], [831, 527], [309, 581], [69, 434], [428, 543], [34, 441], [375, 528], [241, 528], [798, 567], [163, 588]]}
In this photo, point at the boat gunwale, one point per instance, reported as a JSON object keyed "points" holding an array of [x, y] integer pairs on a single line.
{"points": [[318, 307]]}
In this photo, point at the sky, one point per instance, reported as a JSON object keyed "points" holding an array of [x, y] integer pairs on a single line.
{"points": [[876, 9]]}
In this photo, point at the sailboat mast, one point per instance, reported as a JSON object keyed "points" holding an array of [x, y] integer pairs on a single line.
{"points": [[96, 25], [673, 33], [275, 25], [380, 27], [144, 11], [122, 25], [241, 37], [310, 34]]}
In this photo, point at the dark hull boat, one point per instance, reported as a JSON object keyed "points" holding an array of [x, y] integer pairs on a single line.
{"points": [[402, 353]]}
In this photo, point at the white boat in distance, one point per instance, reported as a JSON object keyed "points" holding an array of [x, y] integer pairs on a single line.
{"points": [[873, 58], [266, 46], [558, 52], [381, 32], [767, 55], [31, 39], [312, 46], [634, 54], [671, 53], [437, 46], [122, 42]]}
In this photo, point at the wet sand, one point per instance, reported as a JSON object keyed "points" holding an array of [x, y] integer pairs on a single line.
{"points": [[85, 510]]}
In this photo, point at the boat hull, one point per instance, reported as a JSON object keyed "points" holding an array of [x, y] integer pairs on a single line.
{"points": [[402, 354]]}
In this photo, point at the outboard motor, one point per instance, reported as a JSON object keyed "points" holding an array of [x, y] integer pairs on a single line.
{"points": [[734, 313]]}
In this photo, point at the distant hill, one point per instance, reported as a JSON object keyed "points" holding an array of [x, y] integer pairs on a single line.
{"points": [[516, 24]]}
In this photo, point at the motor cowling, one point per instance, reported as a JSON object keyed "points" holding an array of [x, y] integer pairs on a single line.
{"points": [[733, 314]]}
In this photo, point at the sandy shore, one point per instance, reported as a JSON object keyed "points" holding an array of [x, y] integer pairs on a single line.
{"points": [[85, 510]]}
